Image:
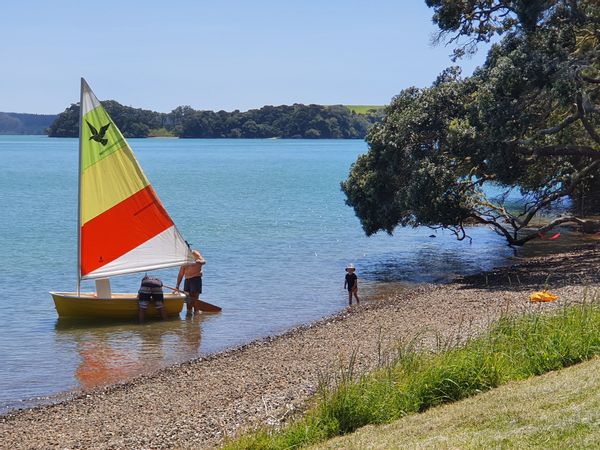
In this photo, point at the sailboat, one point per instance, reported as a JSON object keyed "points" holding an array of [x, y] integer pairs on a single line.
{"points": [[122, 226]]}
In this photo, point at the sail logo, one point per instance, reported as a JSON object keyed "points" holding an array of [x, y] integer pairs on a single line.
{"points": [[98, 136]]}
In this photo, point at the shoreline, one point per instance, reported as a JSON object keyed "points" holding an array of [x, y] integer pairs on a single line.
{"points": [[197, 403]]}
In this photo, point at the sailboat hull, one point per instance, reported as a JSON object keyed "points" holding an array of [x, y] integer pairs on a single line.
{"points": [[119, 306]]}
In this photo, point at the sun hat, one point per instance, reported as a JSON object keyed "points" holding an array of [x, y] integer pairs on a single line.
{"points": [[350, 267]]}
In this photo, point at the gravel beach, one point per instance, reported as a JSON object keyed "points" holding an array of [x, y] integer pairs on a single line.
{"points": [[199, 403]]}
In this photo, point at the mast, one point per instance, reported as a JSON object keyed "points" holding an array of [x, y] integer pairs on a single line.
{"points": [[79, 190]]}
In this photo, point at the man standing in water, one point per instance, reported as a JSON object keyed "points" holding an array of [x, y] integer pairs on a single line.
{"points": [[192, 285]]}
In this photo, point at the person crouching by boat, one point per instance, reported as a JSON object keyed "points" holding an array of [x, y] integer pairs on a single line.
{"points": [[351, 282], [192, 285], [151, 289]]}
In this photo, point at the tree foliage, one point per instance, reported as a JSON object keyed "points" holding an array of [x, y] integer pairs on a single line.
{"points": [[295, 121], [527, 120]]}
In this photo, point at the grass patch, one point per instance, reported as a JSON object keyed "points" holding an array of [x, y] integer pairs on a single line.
{"points": [[161, 132], [560, 409], [515, 348], [364, 109]]}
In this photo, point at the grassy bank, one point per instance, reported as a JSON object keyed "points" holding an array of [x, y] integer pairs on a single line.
{"points": [[413, 381], [560, 409], [161, 132], [364, 109]]}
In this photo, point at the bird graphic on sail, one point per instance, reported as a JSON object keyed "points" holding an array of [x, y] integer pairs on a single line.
{"points": [[98, 136]]}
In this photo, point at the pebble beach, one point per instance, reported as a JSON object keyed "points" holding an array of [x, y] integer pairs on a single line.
{"points": [[201, 403]]}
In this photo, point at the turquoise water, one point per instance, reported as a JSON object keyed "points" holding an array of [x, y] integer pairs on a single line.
{"points": [[269, 217]]}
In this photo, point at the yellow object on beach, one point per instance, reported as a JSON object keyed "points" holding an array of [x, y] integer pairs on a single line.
{"points": [[543, 296]]}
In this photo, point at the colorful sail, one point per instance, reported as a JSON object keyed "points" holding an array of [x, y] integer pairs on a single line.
{"points": [[124, 228]]}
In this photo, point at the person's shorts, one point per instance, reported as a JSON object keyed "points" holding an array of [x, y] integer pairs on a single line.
{"points": [[193, 285], [148, 294]]}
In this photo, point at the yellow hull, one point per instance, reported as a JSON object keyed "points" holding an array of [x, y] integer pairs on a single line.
{"points": [[119, 306]]}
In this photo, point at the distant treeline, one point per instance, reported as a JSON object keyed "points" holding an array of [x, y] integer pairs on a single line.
{"points": [[18, 123], [295, 121]]}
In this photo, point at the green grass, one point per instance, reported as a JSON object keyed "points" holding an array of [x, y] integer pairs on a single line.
{"points": [[364, 109], [160, 132], [559, 410], [412, 382]]}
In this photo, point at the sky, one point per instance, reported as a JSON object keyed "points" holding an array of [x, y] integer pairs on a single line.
{"points": [[225, 54]]}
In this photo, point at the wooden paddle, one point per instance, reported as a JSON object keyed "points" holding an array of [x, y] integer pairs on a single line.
{"points": [[201, 304]]}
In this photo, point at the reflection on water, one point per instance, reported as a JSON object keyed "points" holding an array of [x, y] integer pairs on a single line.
{"points": [[101, 364], [112, 353]]}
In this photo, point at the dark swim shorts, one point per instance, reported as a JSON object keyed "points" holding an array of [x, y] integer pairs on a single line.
{"points": [[146, 294], [193, 285]]}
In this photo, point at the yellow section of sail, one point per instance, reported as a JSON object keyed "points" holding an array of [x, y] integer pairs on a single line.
{"points": [[109, 181]]}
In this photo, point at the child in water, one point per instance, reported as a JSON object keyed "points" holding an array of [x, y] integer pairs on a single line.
{"points": [[351, 283]]}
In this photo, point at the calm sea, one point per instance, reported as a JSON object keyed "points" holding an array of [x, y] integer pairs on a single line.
{"points": [[270, 219]]}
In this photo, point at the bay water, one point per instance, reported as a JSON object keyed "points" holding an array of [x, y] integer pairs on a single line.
{"points": [[268, 216]]}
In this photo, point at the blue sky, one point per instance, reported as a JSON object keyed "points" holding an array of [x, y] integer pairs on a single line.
{"points": [[215, 54]]}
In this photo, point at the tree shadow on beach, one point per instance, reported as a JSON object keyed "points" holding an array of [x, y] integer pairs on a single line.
{"points": [[577, 267]]}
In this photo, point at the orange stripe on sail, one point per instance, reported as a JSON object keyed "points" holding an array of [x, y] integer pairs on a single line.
{"points": [[122, 228]]}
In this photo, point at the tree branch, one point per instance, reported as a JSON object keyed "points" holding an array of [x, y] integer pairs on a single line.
{"points": [[496, 226], [586, 124], [587, 224], [570, 186], [590, 79], [567, 150], [555, 129], [590, 129]]}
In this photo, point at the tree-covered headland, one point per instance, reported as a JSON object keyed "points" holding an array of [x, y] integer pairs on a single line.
{"points": [[19, 123], [528, 121], [295, 121]]}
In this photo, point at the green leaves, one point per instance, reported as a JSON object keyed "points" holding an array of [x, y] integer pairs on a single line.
{"points": [[295, 121], [527, 119]]}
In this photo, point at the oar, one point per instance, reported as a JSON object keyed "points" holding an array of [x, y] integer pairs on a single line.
{"points": [[204, 306]]}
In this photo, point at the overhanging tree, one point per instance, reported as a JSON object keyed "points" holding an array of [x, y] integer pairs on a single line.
{"points": [[528, 120]]}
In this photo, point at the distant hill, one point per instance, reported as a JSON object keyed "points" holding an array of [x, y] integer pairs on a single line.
{"points": [[19, 123], [284, 121]]}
